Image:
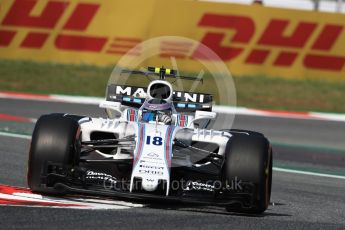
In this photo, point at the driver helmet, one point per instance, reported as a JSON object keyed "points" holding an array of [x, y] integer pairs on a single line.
{"points": [[154, 107]]}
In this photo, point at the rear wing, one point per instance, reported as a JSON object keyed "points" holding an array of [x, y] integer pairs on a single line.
{"points": [[135, 96]]}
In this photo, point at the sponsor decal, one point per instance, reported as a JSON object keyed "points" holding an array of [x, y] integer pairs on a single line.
{"points": [[153, 155], [151, 169], [199, 186], [130, 91], [151, 172], [141, 92], [102, 178], [210, 186]]}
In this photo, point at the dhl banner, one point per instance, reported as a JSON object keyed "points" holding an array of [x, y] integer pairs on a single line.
{"points": [[250, 39]]}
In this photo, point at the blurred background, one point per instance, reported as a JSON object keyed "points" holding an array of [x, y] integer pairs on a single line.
{"points": [[318, 5], [284, 55]]}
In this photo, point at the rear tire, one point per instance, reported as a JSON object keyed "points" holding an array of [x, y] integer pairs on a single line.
{"points": [[56, 139], [249, 159]]}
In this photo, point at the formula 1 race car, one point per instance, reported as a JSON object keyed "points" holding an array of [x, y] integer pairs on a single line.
{"points": [[155, 144]]}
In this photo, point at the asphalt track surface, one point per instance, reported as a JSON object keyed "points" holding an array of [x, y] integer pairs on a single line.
{"points": [[298, 201]]}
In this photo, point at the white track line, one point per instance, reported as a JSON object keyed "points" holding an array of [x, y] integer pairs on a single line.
{"points": [[77, 99], [308, 173], [280, 114], [15, 135]]}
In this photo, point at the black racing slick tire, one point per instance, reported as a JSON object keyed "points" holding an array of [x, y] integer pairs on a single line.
{"points": [[56, 139], [249, 159]]}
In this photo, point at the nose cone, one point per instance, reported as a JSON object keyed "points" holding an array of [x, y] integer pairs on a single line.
{"points": [[149, 185]]}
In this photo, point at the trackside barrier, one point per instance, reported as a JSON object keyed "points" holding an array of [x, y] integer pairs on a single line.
{"points": [[250, 39]]}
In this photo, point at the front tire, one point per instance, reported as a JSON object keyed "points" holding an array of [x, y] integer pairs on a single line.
{"points": [[249, 159], [56, 139]]}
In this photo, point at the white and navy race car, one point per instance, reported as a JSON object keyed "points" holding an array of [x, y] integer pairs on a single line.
{"points": [[155, 144]]}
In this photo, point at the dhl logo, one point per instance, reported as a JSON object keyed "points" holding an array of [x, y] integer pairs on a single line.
{"points": [[76, 18], [20, 15], [274, 35]]}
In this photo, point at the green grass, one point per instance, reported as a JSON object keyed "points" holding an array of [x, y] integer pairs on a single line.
{"points": [[49, 78], [294, 95], [252, 91]]}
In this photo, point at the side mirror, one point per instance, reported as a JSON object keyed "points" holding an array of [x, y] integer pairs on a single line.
{"points": [[205, 115], [113, 109], [202, 118]]}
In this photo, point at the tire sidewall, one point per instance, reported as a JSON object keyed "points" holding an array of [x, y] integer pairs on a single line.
{"points": [[55, 140]]}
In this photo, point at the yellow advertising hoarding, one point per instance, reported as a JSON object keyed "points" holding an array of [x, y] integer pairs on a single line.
{"points": [[251, 40]]}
